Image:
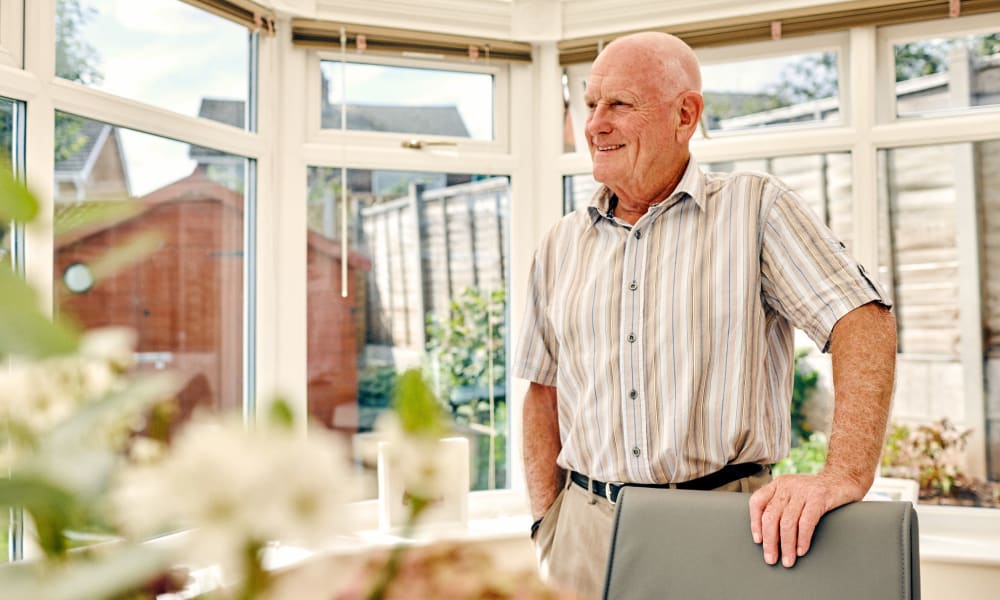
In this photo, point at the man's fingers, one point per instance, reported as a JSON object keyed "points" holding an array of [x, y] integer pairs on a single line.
{"points": [[770, 523], [758, 501], [789, 531], [811, 514]]}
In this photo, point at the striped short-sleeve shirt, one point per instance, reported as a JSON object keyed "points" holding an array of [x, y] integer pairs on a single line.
{"points": [[670, 342]]}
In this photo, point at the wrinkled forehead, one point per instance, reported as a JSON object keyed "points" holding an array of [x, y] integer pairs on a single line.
{"points": [[627, 82]]}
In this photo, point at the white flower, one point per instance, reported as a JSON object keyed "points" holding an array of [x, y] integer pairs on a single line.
{"points": [[41, 394], [109, 345], [236, 487], [143, 450]]}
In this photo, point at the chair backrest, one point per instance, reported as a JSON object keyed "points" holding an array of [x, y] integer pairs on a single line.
{"points": [[690, 545]]}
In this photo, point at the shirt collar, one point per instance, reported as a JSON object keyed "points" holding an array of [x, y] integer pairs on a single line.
{"points": [[692, 184]]}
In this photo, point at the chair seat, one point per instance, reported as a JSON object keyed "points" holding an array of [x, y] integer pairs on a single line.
{"points": [[691, 545]]}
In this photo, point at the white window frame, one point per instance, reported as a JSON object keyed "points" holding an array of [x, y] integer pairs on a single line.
{"points": [[500, 144], [838, 42], [974, 124], [888, 37], [509, 154], [11, 33]]}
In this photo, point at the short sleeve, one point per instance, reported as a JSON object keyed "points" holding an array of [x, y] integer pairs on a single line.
{"points": [[807, 274], [537, 355]]}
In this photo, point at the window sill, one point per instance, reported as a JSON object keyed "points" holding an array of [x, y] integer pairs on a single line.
{"points": [[963, 535]]}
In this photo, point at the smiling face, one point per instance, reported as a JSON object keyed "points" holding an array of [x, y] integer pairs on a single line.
{"points": [[644, 107]]}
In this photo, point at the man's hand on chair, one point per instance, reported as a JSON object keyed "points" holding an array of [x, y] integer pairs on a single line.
{"points": [[785, 512]]}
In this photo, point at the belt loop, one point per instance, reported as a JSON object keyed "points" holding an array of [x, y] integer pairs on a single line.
{"points": [[591, 491]]}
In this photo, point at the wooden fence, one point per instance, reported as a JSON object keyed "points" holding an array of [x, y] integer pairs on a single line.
{"points": [[428, 247]]}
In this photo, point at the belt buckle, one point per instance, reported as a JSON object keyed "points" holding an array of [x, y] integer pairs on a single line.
{"points": [[607, 491]]}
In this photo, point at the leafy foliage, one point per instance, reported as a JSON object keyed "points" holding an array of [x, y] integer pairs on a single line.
{"points": [[470, 344], [377, 386], [928, 454], [808, 457], [811, 78], [418, 408], [58, 473], [917, 59], [804, 383], [24, 329], [76, 60]]}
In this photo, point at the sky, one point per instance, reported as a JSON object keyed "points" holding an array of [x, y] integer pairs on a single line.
{"points": [[152, 60], [746, 76], [171, 55]]}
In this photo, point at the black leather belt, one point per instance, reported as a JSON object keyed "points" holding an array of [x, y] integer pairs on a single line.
{"points": [[726, 474]]}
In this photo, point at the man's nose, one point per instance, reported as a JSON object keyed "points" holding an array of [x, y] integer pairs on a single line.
{"points": [[597, 121]]}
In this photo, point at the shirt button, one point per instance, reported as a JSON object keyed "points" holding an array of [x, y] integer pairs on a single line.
{"points": [[631, 338], [633, 394], [633, 286], [638, 234], [636, 451]]}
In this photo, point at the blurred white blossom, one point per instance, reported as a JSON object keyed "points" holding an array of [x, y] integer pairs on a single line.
{"points": [[39, 395], [238, 489]]}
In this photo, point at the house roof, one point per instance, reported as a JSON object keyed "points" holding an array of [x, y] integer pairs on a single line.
{"points": [[229, 112], [94, 134], [433, 120]]}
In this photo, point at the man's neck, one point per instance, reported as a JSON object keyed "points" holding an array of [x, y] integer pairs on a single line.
{"points": [[631, 205]]}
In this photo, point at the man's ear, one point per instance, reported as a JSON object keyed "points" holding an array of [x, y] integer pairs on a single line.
{"points": [[689, 108]]}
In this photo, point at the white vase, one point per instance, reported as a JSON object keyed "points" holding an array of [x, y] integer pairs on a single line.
{"points": [[450, 509]]}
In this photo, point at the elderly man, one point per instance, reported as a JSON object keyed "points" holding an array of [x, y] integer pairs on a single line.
{"points": [[658, 335]]}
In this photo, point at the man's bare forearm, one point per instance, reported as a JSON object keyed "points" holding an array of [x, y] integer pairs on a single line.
{"points": [[863, 349], [541, 447]]}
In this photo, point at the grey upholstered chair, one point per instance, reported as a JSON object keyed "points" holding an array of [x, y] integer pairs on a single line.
{"points": [[688, 545]]}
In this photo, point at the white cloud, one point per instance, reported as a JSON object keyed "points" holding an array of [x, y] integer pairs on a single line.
{"points": [[158, 15]]}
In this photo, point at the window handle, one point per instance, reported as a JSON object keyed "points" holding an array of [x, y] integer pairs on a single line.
{"points": [[415, 144]]}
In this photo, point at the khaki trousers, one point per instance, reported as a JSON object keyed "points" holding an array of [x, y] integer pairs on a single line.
{"points": [[574, 538]]}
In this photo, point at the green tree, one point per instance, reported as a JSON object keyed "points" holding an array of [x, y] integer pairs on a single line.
{"points": [[988, 45], [918, 59], [76, 60], [470, 343], [812, 77]]}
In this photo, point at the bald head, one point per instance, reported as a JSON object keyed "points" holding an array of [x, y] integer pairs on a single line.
{"points": [[660, 55], [644, 96]]}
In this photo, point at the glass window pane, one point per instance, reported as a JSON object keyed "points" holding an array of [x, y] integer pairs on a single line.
{"points": [[407, 100], [6, 151], [782, 90], [924, 193], [427, 284], [578, 190], [145, 51], [7, 137], [149, 235], [947, 74]]}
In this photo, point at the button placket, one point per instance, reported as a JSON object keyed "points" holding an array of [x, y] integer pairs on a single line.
{"points": [[632, 364]]}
